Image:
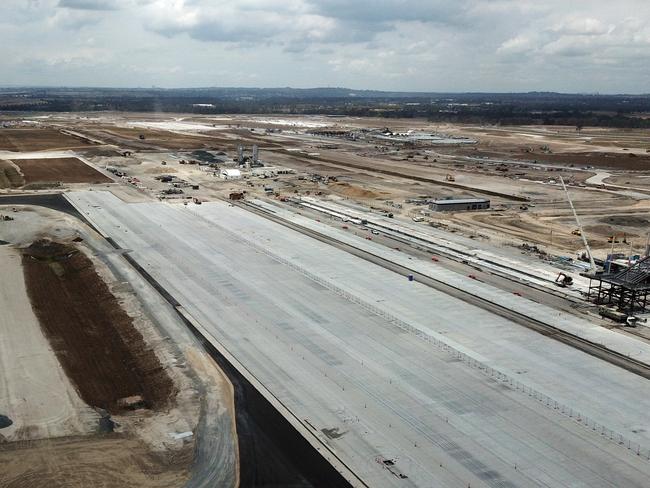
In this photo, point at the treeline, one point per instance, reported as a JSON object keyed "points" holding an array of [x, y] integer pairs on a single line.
{"points": [[624, 111]]}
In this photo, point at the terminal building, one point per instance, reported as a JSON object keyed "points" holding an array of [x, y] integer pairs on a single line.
{"points": [[460, 204]]}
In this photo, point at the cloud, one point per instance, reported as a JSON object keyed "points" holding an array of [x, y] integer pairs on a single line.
{"points": [[205, 21], [591, 38], [583, 26], [295, 24], [389, 11], [90, 4], [493, 45]]}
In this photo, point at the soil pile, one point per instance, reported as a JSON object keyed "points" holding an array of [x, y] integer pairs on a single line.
{"points": [[352, 191], [93, 337], [10, 177]]}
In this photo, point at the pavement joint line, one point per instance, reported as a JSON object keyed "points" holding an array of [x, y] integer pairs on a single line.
{"points": [[309, 434], [595, 349], [542, 398], [300, 424]]}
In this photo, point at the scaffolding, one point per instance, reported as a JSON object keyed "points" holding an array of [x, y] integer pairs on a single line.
{"points": [[627, 290]]}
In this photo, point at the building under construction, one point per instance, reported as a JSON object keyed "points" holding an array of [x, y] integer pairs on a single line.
{"points": [[627, 290]]}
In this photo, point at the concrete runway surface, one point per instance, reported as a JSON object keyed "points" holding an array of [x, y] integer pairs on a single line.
{"points": [[370, 390]]}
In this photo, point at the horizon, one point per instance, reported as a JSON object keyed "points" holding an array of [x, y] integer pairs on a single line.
{"points": [[424, 93]]}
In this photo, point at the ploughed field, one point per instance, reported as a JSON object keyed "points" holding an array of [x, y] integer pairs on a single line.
{"points": [[94, 339]]}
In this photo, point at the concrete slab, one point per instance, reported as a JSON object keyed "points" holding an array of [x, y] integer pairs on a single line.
{"points": [[369, 389]]}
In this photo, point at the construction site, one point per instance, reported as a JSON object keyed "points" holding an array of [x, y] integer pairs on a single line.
{"points": [[311, 301]]}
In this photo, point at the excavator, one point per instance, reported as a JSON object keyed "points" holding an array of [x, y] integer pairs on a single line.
{"points": [[563, 280]]}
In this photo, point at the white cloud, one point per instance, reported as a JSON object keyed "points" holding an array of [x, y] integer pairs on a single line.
{"points": [[90, 4], [491, 45], [584, 26]]}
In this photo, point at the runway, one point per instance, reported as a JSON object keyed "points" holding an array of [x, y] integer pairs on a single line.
{"points": [[366, 387]]}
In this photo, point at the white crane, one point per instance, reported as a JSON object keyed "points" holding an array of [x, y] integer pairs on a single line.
{"points": [[592, 265]]}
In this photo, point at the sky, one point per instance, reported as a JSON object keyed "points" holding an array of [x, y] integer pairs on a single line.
{"points": [[576, 46]]}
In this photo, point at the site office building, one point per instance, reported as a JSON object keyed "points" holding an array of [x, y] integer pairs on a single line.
{"points": [[459, 204]]}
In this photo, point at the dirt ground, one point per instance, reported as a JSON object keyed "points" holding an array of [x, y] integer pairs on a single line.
{"points": [[35, 393], [10, 176], [506, 164], [110, 461], [352, 191], [624, 149], [94, 339], [56, 438], [54, 170], [40, 139], [154, 139]]}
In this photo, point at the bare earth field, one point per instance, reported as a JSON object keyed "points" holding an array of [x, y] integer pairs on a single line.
{"points": [[110, 461], [37, 140], [505, 164], [35, 393], [53, 170], [130, 138], [92, 393], [94, 339]]}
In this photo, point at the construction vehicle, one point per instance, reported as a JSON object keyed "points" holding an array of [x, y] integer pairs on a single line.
{"points": [[450, 177], [576, 232], [563, 280], [592, 264], [614, 239], [613, 314]]}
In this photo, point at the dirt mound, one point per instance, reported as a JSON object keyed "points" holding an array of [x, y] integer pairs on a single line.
{"points": [[352, 191], [10, 177], [94, 339]]}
